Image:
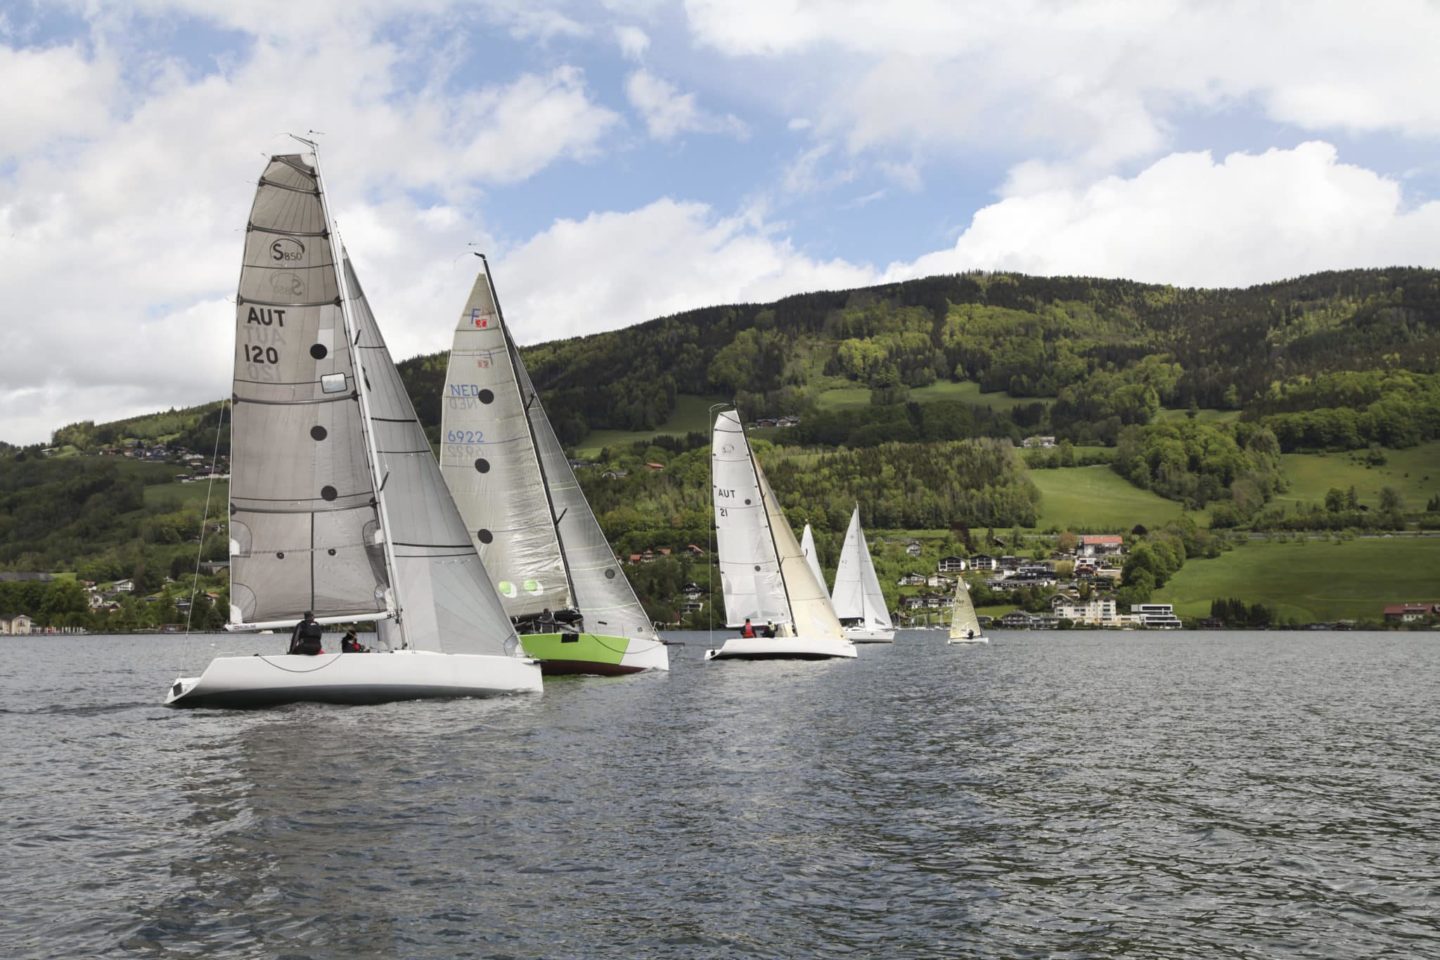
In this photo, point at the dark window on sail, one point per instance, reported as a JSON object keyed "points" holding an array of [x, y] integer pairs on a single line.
{"points": [[331, 551], [280, 555], [318, 351], [609, 574], [329, 493], [317, 433], [482, 465], [484, 536], [487, 396]]}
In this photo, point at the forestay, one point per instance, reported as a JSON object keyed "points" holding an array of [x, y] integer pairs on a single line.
{"points": [[304, 523], [445, 595]]}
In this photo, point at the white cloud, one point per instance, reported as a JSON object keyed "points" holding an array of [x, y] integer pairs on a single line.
{"points": [[52, 93], [668, 112], [1096, 84], [633, 42], [1190, 221], [612, 270]]}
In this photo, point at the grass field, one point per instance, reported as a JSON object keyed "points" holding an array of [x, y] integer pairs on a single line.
{"points": [[176, 495], [691, 415], [1313, 580], [848, 398], [1095, 499], [1415, 473]]}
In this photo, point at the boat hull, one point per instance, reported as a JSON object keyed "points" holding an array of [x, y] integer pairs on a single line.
{"points": [[782, 648], [352, 678], [968, 640], [594, 654], [869, 635]]}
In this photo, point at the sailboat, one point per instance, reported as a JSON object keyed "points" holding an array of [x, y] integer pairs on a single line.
{"points": [[964, 625], [555, 572], [764, 575], [812, 557], [859, 601], [337, 506]]}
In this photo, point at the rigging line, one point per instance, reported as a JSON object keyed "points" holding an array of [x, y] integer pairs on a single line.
{"points": [[205, 519]]}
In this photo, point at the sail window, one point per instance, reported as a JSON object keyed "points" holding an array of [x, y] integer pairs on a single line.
{"points": [[487, 396], [482, 465], [331, 551], [317, 433], [329, 492], [332, 383], [318, 351], [484, 536], [280, 555], [610, 574]]}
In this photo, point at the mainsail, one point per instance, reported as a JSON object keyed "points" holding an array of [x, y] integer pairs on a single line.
{"points": [[305, 529], [515, 488], [763, 572], [857, 587]]}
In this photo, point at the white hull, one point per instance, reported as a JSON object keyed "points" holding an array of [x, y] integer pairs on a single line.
{"points": [[352, 678], [870, 634], [968, 640], [781, 648], [646, 655]]}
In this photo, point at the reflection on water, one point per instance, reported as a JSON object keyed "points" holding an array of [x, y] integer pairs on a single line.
{"points": [[1081, 794]]}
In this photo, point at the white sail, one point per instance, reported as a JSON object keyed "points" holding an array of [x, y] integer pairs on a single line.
{"points": [[964, 625], [810, 609], [446, 599], [602, 592], [807, 546], [490, 462], [304, 522], [750, 577], [857, 595]]}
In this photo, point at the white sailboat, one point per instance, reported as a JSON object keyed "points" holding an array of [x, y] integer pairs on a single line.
{"points": [[526, 513], [964, 625], [763, 572], [336, 503], [812, 557], [859, 601]]}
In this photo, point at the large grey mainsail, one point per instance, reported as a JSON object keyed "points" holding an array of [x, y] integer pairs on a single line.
{"points": [[446, 601], [304, 522], [514, 486]]}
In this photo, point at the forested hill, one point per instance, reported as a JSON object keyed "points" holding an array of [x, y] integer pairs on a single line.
{"points": [[1099, 347]]}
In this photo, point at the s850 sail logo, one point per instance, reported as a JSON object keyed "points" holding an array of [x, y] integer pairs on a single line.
{"points": [[287, 250]]}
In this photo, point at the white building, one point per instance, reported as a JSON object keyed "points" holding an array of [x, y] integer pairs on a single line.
{"points": [[1156, 616], [15, 626]]}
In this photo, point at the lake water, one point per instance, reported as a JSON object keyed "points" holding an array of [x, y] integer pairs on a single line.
{"points": [[1052, 795]]}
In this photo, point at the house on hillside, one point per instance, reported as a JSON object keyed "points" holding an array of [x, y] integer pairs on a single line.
{"points": [[912, 580], [1156, 616], [983, 561], [1410, 612], [952, 565], [1100, 545], [1038, 442]]}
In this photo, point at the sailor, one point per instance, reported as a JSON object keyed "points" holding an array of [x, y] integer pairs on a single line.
{"points": [[546, 623], [350, 643], [747, 630], [770, 629], [306, 636]]}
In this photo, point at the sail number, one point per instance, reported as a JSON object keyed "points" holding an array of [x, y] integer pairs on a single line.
{"points": [[465, 436], [254, 353]]}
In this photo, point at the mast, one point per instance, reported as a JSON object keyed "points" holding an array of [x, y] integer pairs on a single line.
{"points": [[513, 355], [361, 391], [860, 549]]}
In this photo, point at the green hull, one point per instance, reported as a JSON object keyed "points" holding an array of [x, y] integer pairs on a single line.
{"points": [[561, 653]]}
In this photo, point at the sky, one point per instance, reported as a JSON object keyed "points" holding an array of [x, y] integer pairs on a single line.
{"points": [[619, 160]]}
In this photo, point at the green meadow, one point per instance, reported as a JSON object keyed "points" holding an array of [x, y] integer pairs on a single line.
{"points": [[848, 398], [1096, 498], [691, 415], [1312, 580], [1414, 473]]}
